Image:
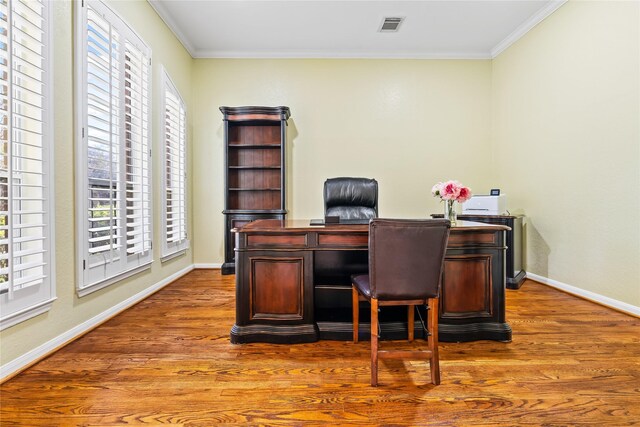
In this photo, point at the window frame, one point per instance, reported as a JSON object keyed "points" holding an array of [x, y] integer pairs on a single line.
{"points": [[170, 251], [121, 264], [46, 293]]}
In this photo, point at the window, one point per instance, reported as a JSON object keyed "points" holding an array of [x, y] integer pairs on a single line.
{"points": [[113, 188], [27, 276], [174, 225]]}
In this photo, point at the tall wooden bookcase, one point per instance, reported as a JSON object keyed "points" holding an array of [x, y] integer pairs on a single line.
{"points": [[254, 157]]}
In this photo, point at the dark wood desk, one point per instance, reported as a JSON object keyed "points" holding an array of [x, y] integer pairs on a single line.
{"points": [[293, 283], [513, 241]]}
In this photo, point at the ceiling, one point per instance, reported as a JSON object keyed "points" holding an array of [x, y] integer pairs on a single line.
{"points": [[473, 29]]}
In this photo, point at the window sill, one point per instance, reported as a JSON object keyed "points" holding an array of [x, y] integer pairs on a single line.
{"points": [[173, 255], [111, 280], [28, 313]]}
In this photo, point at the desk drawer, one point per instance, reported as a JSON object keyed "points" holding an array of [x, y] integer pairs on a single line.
{"points": [[279, 240], [483, 238], [333, 240]]}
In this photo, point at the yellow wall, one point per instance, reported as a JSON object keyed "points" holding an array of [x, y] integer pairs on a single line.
{"points": [[407, 123], [566, 144], [68, 310]]}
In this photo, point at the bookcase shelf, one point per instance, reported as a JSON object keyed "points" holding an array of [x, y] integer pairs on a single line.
{"points": [[254, 189], [254, 141], [277, 146], [254, 167]]}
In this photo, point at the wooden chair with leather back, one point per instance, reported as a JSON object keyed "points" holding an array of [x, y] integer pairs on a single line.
{"points": [[405, 268]]}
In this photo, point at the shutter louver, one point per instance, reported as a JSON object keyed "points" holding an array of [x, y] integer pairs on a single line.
{"points": [[25, 217]]}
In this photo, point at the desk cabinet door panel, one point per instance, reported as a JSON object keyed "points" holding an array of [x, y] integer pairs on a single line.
{"points": [[467, 287], [280, 287]]}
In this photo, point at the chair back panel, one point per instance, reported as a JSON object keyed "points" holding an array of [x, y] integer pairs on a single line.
{"points": [[351, 198], [406, 257]]}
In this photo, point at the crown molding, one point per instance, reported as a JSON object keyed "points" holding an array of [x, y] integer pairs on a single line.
{"points": [[223, 54], [169, 22], [526, 26], [519, 32]]}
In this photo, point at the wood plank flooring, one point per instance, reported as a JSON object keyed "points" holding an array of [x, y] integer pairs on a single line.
{"points": [[168, 361]]}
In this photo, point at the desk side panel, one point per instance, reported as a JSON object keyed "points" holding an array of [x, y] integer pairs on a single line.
{"points": [[274, 297]]}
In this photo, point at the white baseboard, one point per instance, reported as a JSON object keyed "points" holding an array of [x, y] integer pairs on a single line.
{"points": [[209, 266], [588, 295], [9, 369]]}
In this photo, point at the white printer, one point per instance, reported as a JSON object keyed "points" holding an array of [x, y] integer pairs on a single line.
{"points": [[485, 205]]}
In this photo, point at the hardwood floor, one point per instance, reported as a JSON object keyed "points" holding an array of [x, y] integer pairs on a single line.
{"points": [[168, 360]]}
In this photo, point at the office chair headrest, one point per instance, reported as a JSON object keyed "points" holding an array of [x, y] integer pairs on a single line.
{"points": [[351, 192]]}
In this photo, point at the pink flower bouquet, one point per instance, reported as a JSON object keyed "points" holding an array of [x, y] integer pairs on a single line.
{"points": [[451, 190]]}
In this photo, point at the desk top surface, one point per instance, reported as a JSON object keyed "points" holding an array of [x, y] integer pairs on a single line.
{"points": [[303, 225]]}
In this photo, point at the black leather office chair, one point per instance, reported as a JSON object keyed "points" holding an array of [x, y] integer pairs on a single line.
{"points": [[406, 259], [351, 198]]}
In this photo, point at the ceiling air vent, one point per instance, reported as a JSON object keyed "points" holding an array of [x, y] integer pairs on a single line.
{"points": [[390, 25]]}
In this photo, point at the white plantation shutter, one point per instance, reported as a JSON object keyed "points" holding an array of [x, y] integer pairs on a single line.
{"points": [[137, 150], [174, 230], [102, 139], [113, 148], [26, 215]]}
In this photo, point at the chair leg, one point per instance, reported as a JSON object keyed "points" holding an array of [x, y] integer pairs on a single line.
{"points": [[374, 342], [355, 300], [432, 340], [410, 322]]}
